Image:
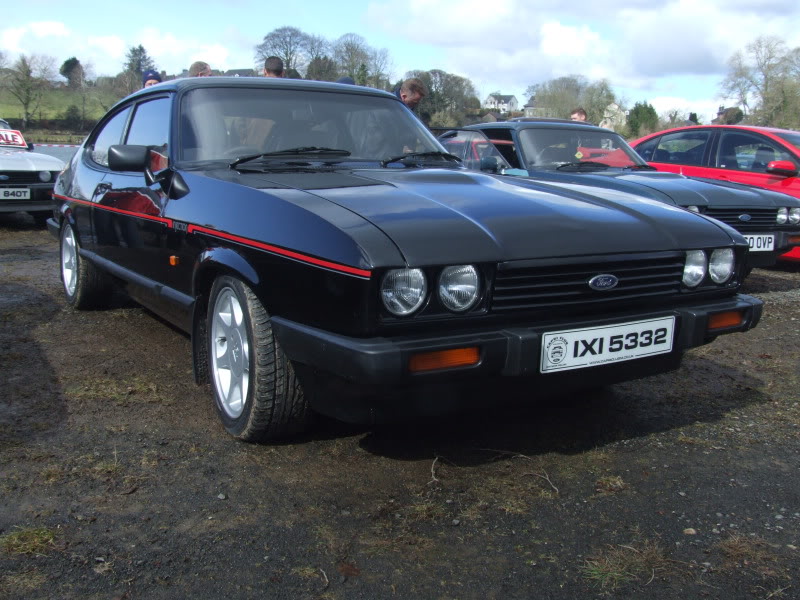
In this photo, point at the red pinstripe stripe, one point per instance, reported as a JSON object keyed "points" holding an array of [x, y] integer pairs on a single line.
{"points": [[234, 238]]}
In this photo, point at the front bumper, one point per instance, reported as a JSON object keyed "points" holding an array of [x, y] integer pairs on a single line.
{"points": [[513, 351], [40, 200], [785, 241]]}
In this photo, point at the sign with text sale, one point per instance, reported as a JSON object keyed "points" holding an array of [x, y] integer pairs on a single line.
{"points": [[12, 138]]}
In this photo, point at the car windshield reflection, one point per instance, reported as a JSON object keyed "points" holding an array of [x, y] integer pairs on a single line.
{"points": [[234, 123]]}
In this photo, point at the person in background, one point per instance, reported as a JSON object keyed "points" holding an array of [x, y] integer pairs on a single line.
{"points": [[273, 67], [411, 92], [200, 69], [150, 77], [578, 114]]}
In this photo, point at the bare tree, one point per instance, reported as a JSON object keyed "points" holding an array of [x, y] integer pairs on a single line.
{"points": [[764, 81], [378, 69], [350, 52], [287, 43], [27, 82]]}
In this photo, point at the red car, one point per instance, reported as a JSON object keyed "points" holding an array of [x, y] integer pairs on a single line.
{"points": [[760, 156]]}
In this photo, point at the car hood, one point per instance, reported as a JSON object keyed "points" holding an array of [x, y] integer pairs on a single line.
{"points": [[22, 160], [448, 216], [668, 187]]}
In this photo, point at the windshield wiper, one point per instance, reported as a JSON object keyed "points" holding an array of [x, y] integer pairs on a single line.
{"points": [[435, 153], [579, 166], [641, 168], [299, 151]]}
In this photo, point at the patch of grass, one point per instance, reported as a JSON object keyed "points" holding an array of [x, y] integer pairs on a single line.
{"points": [[622, 564], [748, 552], [306, 572], [610, 484], [18, 585], [28, 540], [119, 391], [52, 474]]}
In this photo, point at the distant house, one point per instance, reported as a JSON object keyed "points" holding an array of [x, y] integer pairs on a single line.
{"points": [[240, 73], [501, 103], [531, 110], [492, 117]]}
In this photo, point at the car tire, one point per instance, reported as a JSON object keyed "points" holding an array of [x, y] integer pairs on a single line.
{"points": [[85, 287], [257, 394]]}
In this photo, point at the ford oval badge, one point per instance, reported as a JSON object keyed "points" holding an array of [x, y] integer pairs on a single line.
{"points": [[603, 282], [745, 217]]}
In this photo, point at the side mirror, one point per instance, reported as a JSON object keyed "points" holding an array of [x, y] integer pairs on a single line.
{"points": [[782, 167], [490, 164], [128, 158]]}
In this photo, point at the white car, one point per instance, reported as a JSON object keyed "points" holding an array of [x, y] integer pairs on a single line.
{"points": [[26, 177]]}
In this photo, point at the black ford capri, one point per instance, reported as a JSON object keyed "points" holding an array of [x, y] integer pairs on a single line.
{"points": [[323, 250]]}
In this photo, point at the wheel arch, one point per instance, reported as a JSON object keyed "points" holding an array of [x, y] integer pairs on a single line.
{"points": [[211, 264]]}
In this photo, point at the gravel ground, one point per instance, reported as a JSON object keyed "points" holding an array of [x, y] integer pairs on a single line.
{"points": [[118, 482]]}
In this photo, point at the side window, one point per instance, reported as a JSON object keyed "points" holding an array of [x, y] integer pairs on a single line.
{"points": [[747, 152], [108, 136], [150, 125], [647, 149], [682, 148], [503, 142]]}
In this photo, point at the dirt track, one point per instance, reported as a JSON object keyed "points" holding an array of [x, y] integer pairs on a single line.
{"points": [[117, 481]]}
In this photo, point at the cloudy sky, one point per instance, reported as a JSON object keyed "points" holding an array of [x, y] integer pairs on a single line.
{"points": [[672, 54]]}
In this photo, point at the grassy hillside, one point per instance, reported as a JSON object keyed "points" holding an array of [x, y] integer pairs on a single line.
{"points": [[56, 101]]}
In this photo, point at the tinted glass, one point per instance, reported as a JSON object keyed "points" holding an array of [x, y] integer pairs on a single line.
{"points": [[110, 134], [226, 123], [682, 148], [150, 124], [472, 148], [546, 148], [747, 151], [791, 138]]}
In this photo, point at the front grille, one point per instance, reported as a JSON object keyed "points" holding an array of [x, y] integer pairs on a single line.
{"points": [[21, 177], [547, 286], [760, 218]]}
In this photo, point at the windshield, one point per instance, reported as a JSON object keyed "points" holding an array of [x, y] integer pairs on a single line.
{"points": [[791, 137], [551, 148], [227, 123]]}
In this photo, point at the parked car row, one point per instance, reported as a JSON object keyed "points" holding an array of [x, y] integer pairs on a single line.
{"points": [[320, 247], [760, 156], [26, 177], [573, 154]]}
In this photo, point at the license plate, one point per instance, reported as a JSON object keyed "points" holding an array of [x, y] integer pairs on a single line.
{"points": [[15, 193], [593, 346], [761, 243]]}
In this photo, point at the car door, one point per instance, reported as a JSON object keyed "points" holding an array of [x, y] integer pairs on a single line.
{"points": [[85, 188], [136, 227], [686, 152], [742, 156]]}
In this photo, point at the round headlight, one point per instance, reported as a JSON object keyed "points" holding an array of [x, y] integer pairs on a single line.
{"points": [[794, 216], [403, 291], [720, 265], [694, 270], [44, 176], [459, 287], [783, 216], [693, 208]]}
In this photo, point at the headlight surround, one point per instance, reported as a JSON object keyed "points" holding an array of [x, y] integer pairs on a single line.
{"points": [[794, 216], [721, 264], [403, 291], [459, 287], [45, 176], [783, 216], [693, 208], [694, 269]]}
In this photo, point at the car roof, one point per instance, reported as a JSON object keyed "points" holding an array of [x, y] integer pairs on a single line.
{"points": [[190, 83], [758, 128], [537, 123]]}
